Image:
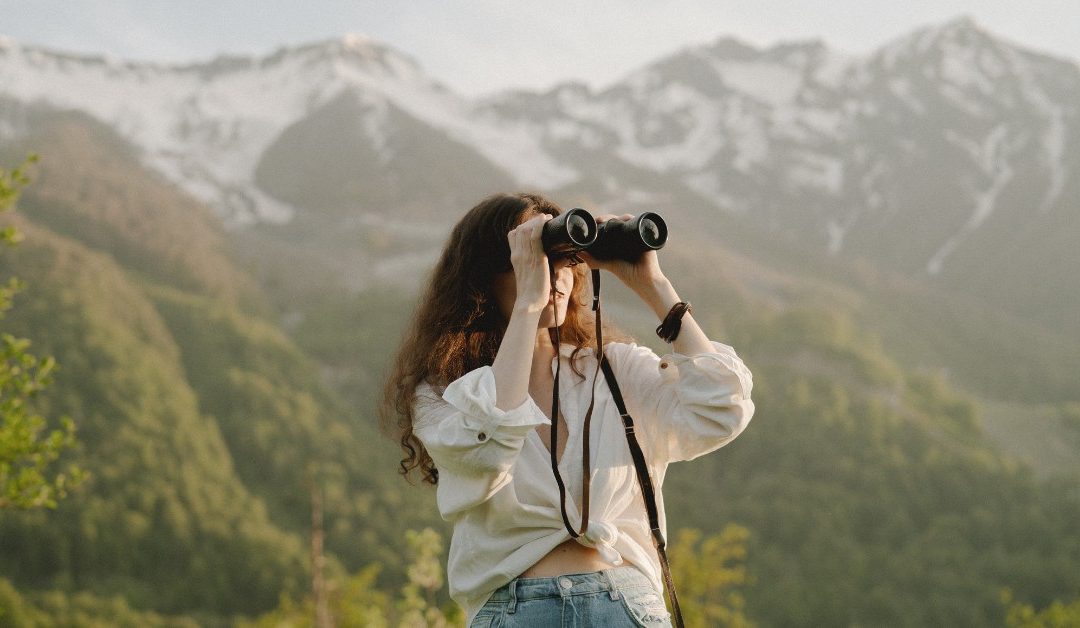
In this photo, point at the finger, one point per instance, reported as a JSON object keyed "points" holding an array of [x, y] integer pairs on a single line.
{"points": [[540, 220], [605, 217], [591, 261], [534, 224], [625, 217], [526, 229], [536, 231]]}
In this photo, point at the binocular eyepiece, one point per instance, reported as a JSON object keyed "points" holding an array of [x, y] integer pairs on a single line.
{"points": [[576, 230]]}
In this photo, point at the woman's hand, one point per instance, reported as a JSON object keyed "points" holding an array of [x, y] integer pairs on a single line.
{"points": [[646, 279], [643, 276], [639, 275], [531, 273]]}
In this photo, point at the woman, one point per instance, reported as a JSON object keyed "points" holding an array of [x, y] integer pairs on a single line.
{"points": [[467, 396]]}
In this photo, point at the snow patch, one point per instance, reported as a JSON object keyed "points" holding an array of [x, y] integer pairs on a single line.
{"points": [[834, 69], [901, 88], [700, 144], [962, 65], [995, 152], [708, 185], [1053, 139], [356, 42], [868, 185], [751, 140], [374, 124], [816, 170], [985, 155], [962, 100], [769, 83], [835, 231], [824, 121], [1054, 152]]}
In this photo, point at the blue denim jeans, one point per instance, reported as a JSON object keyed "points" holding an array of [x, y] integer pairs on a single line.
{"points": [[622, 596]]}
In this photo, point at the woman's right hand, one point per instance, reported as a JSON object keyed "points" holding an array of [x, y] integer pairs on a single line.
{"points": [[531, 274]]}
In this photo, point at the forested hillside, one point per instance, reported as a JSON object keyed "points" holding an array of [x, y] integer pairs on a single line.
{"points": [[207, 385], [198, 419]]}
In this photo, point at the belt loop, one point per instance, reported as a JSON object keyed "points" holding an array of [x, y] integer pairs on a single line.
{"points": [[614, 590], [512, 606]]}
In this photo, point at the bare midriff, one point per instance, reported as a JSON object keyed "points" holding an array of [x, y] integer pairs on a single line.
{"points": [[569, 557]]}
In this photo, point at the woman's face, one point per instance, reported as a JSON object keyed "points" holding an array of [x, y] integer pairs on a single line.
{"points": [[505, 288]]}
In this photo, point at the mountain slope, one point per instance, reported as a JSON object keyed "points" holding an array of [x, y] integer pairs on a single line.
{"points": [[95, 190], [877, 481], [359, 152], [199, 419], [163, 487]]}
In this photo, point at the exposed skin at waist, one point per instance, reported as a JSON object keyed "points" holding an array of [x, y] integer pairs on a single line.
{"points": [[568, 557]]}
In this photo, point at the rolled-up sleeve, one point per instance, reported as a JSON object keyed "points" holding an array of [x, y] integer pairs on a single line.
{"points": [[474, 444], [686, 405]]}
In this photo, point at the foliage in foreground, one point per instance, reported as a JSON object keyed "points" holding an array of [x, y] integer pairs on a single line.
{"points": [[707, 570], [81, 610], [1057, 615], [355, 600], [28, 478]]}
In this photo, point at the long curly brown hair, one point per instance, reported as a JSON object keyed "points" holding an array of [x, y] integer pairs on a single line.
{"points": [[457, 326]]}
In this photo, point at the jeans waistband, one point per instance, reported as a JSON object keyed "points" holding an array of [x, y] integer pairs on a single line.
{"points": [[612, 580]]}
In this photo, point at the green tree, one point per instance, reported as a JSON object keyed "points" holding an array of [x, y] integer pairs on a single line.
{"points": [[27, 452], [418, 604], [1057, 615], [357, 601], [708, 572], [79, 610]]}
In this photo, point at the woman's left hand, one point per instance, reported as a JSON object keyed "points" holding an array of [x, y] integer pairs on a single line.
{"points": [[636, 275]]}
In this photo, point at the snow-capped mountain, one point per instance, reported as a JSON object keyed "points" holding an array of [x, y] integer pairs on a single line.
{"points": [[942, 154], [206, 126], [927, 138]]}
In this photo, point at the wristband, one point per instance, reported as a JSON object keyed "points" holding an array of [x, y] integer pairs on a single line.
{"points": [[668, 330]]}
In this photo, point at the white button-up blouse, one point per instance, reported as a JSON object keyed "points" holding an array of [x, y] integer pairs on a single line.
{"points": [[495, 478]]}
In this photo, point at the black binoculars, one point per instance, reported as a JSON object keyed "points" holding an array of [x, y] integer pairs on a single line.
{"points": [[576, 230]]}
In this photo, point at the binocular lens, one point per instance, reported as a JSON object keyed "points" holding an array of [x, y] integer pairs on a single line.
{"points": [[568, 233], [650, 233], [578, 228]]}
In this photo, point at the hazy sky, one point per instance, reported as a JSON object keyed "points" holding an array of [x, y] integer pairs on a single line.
{"points": [[479, 46]]}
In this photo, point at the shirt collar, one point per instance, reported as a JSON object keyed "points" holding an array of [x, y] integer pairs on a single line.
{"points": [[566, 350]]}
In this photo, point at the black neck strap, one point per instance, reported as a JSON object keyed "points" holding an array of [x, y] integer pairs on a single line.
{"points": [[586, 472], [648, 493]]}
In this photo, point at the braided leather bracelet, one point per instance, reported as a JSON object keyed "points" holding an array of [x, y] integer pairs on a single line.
{"points": [[669, 329]]}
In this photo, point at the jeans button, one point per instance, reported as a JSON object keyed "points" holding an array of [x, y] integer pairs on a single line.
{"points": [[565, 583]]}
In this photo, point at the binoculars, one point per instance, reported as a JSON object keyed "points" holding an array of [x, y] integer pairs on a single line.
{"points": [[576, 230]]}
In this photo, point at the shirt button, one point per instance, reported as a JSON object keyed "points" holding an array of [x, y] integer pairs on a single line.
{"points": [[481, 437], [565, 583]]}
